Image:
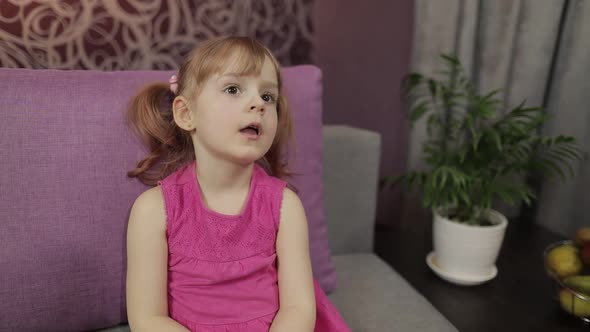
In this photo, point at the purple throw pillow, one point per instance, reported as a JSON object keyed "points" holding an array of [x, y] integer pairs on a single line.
{"points": [[66, 198]]}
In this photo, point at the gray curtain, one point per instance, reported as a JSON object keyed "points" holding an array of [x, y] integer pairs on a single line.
{"points": [[535, 50]]}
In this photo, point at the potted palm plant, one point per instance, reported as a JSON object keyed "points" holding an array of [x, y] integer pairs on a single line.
{"points": [[475, 153]]}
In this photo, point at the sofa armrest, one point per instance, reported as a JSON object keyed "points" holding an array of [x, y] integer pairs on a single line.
{"points": [[350, 176]]}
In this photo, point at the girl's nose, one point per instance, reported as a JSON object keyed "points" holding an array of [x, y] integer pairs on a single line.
{"points": [[257, 108], [257, 105]]}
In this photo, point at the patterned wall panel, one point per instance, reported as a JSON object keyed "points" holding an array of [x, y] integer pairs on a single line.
{"points": [[139, 34]]}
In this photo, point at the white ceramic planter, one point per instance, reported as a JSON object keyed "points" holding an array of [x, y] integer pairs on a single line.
{"points": [[468, 251]]}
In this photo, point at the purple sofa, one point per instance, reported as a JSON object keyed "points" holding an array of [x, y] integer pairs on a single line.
{"points": [[65, 204]]}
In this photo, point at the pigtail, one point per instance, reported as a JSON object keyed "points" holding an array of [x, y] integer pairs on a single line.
{"points": [[150, 117]]}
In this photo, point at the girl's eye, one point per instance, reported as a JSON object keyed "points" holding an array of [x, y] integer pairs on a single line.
{"points": [[269, 98], [232, 90]]}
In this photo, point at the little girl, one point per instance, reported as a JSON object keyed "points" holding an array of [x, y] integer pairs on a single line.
{"points": [[220, 243]]}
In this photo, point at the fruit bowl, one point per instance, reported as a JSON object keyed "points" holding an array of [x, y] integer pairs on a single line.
{"points": [[574, 300]]}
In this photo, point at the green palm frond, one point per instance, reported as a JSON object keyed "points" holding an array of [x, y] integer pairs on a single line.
{"points": [[474, 148]]}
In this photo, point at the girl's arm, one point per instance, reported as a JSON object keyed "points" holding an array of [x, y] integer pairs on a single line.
{"points": [[147, 265], [297, 310]]}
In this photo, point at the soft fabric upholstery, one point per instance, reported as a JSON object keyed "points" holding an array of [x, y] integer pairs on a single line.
{"points": [[351, 224], [66, 198], [303, 85], [372, 297]]}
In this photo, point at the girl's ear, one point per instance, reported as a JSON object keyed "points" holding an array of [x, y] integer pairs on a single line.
{"points": [[182, 114]]}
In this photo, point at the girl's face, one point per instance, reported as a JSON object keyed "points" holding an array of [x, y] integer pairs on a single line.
{"points": [[236, 116]]}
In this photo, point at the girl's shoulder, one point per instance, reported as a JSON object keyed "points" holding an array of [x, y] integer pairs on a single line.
{"points": [[152, 196], [149, 209]]}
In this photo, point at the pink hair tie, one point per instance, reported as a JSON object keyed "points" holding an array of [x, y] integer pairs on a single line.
{"points": [[173, 83]]}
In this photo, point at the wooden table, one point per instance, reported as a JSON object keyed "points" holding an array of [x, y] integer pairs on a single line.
{"points": [[520, 298]]}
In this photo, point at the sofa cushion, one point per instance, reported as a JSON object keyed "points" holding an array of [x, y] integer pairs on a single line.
{"points": [[66, 198], [303, 86], [372, 297]]}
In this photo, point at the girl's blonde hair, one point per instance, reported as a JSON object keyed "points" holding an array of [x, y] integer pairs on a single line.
{"points": [[150, 111]]}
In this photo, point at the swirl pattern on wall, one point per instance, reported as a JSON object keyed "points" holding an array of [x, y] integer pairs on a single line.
{"points": [[141, 35]]}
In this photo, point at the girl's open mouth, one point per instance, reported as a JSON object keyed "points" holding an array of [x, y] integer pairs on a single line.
{"points": [[252, 131]]}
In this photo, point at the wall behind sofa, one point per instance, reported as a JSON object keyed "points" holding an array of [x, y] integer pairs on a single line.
{"points": [[125, 35], [363, 48]]}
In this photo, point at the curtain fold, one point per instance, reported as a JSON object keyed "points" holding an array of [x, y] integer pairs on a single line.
{"points": [[563, 205]]}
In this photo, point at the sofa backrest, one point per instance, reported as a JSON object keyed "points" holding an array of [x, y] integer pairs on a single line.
{"points": [[351, 170]]}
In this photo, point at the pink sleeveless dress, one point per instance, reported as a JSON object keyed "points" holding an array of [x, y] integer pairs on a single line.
{"points": [[222, 274]]}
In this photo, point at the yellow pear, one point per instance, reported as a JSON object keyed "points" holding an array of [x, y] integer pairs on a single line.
{"points": [[573, 304], [564, 261]]}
